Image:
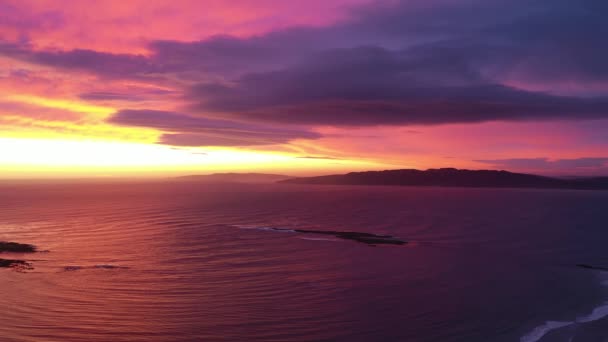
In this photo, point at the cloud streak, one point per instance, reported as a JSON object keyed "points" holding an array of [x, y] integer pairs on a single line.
{"points": [[374, 86], [319, 157], [183, 130], [593, 163]]}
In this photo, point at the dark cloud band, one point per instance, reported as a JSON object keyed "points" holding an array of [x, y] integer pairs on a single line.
{"points": [[411, 62], [183, 130]]}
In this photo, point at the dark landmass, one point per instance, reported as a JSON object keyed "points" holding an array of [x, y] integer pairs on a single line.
{"points": [[102, 266], [450, 177], [235, 178], [14, 247], [18, 265], [367, 238]]}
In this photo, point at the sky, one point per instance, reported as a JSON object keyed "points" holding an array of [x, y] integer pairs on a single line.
{"points": [[158, 88]]}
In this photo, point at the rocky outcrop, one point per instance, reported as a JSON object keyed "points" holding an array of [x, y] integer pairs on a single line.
{"points": [[367, 238], [14, 247]]}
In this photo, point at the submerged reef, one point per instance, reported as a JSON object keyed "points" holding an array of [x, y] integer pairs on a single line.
{"points": [[366, 238], [17, 265], [72, 268]]}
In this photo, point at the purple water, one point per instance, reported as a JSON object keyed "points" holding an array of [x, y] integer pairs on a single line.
{"points": [[192, 262]]}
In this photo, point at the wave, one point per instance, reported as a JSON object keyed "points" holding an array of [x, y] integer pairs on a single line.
{"points": [[596, 314], [537, 333]]}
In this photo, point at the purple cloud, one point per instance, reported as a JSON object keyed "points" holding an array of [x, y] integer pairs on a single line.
{"points": [[183, 130], [128, 95], [23, 20], [368, 86], [101, 63], [414, 62]]}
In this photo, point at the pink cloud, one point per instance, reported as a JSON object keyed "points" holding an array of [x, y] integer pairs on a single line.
{"points": [[126, 26]]}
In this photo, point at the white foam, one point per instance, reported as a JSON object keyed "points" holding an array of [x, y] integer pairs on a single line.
{"points": [[542, 330], [603, 278], [597, 313]]}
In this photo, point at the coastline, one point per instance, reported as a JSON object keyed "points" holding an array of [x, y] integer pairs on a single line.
{"points": [[585, 327]]}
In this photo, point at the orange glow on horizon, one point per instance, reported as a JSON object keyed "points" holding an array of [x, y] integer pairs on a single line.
{"points": [[23, 158], [114, 87]]}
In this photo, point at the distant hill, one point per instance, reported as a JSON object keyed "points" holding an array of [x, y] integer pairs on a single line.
{"points": [[454, 178], [235, 178]]}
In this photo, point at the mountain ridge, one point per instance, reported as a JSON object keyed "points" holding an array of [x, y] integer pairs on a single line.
{"points": [[451, 177]]}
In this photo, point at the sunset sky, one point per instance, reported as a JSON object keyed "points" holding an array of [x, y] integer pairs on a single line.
{"points": [[159, 88]]}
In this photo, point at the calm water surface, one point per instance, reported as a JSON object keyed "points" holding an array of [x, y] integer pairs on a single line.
{"points": [[191, 262]]}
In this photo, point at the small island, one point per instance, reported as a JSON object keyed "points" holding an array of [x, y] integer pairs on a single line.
{"points": [[366, 238]]}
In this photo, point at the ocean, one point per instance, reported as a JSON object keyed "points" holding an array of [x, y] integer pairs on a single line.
{"points": [[181, 261]]}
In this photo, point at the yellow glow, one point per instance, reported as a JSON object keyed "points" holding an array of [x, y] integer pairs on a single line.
{"points": [[22, 158], [83, 144], [89, 123], [87, 153], [17, 127], [70, 105]]}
